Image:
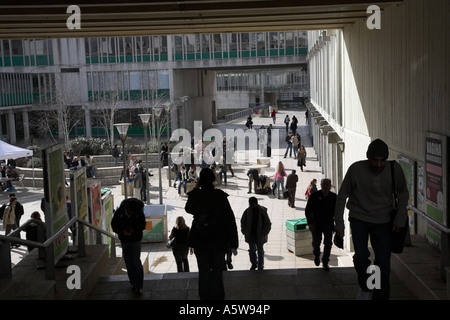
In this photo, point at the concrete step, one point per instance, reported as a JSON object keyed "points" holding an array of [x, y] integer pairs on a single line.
{"points": [[281, 284], [28, 281], [419, 268]]}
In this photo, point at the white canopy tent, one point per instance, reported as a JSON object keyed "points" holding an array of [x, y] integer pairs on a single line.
{"points": [[8, 151]]}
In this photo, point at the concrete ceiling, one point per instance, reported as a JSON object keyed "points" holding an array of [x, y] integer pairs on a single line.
{"points": [[48, 18]]}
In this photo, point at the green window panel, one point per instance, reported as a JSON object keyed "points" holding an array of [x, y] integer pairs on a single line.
{"points": [[164, 57], [146, 58], [17, 61], [135, 94], [190, 56], [35, 97], [261, 53], [245, 54], [7, 61], [273, 52], [290, 51]]}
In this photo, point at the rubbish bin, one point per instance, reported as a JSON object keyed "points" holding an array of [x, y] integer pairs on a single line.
{"points": [[298, 237]]}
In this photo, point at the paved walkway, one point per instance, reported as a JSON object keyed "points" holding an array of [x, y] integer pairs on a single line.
{"points": [[278, 260], [277, 255]]}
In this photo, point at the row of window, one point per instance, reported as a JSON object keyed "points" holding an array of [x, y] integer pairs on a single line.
{"points": [[26, 52], [194, 47], [128, 85], [251, 81], [39, 52]]}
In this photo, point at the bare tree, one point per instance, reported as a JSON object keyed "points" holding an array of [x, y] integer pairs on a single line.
{"points": [[61, 111]]}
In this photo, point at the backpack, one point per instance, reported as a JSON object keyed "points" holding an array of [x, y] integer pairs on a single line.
{"points": [[207, 224], [2, 211]]}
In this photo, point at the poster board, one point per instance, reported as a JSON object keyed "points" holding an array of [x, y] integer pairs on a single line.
{"points": [[55, 198], [436, 175], [409, 169], [107, 210], [156, 223], [79, 199], [95, 209]]}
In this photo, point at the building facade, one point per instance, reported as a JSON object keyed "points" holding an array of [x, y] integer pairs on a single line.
{"points": [[68, 83]]}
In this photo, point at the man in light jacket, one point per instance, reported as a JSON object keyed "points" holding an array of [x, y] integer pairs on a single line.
{"points": [[368, 187], [256, 225]]}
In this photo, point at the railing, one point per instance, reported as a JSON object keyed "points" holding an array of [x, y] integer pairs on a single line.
{"points": [[244, 113], [46, 247], [431, 220]]}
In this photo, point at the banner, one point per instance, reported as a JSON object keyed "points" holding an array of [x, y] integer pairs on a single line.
{"points": [[54, 192], [436, 167]]}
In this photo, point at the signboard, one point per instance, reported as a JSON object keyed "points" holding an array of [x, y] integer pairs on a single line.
{"points": [[55, 198], [95, 206], [156, 227], [436, 171], [408, 167], [79, 197], [107, 209]]}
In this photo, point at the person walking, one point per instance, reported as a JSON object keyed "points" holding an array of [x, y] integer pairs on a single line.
{"points": [[255, 226], [280, 173], [291, 186], [116, 155], [286, 122], [319, 214], [368, 187], [288, 140], [9, 218], [312, 187], [128, 223], [137, 183], [18, 211], [213, 231], [301, 157], [273, 115], [181, 250]]}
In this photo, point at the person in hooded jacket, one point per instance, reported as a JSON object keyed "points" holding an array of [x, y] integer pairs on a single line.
{"points": [[255, 225], [128, 223], [213, 231]]}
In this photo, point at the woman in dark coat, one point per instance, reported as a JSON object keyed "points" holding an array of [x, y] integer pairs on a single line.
{"points": [[128, 223], [213, 231]]}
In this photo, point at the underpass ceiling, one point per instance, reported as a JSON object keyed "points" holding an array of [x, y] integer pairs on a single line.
{"points": [[102, 18]]}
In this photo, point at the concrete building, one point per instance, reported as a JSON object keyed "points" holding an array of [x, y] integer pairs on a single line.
{"points": [[390, 83], [375, 72], [67, 83]]}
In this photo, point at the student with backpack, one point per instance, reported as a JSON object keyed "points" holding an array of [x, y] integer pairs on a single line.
{"points": [[213, 231]]}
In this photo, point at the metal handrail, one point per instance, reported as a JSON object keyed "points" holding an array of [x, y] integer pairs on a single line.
{"points": [[244, 113], [429, 219], [5, 240]]}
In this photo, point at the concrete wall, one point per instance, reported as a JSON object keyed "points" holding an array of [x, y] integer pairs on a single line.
{"points": [[394, 83], [200, 86]]}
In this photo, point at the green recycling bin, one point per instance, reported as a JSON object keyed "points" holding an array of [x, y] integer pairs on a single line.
{"points": [[298, 237]]}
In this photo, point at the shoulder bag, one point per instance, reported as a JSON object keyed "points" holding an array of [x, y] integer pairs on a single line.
{"points": [[397, 237]]}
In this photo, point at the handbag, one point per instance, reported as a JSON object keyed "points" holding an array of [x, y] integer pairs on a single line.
{"points": [[171, 243], [285, 194], [397, 237]]}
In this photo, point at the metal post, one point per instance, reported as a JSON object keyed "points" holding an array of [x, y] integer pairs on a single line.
{"points": [[147, 177], [159, 169], [125, 178]]}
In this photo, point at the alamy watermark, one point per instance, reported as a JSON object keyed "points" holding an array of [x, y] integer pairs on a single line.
{"points": [[373, 21], [212, 146]]}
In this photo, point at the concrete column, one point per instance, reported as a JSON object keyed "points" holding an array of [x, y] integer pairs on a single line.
{"points": [[11, 127], [26, 126], [87, 118]]}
